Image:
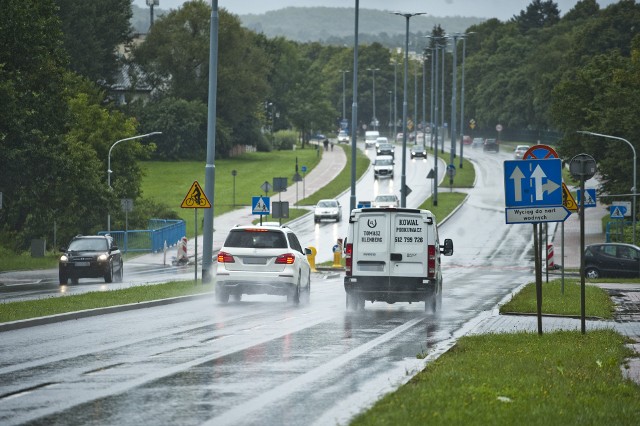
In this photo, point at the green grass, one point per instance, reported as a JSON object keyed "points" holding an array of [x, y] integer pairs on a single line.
{"points": [[597, 301], [14, 311], [168, 183], [447, 202], [560, 378]]}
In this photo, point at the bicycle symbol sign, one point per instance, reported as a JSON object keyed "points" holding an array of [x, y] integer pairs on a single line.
{"points": [[195, 198]]}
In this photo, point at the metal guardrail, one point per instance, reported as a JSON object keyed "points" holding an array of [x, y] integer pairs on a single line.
{"points": [[152, 239]]}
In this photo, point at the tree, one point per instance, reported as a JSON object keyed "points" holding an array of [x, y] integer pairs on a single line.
{"points": [[539, 14], [176, 57], [92, 32]]}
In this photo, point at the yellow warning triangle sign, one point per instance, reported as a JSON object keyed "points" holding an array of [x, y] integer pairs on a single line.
{"points": [[195, 198], [567, 199]]}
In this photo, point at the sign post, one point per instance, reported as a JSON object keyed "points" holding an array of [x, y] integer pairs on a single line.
{"points": [[196, 199]]}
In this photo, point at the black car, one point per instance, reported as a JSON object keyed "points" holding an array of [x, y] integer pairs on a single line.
{"points": [[95, 256], [491, 145], [616, 260], [385, 149]]}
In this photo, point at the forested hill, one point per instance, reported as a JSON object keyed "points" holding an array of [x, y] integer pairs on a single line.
{"points": [[333, 25]]}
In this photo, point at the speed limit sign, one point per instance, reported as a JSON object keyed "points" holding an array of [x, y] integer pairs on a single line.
{"points": [[499, 127]]}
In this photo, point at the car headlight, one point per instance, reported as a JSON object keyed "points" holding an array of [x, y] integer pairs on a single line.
{"points": [[64, 258], [102, 258]]}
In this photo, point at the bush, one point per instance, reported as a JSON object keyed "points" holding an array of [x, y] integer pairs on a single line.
{"points": [[285, 139]]}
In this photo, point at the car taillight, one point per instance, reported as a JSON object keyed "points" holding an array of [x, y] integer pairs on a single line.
{"points": [[224, 257], [348, 251], [431, 261], [286, 259]]}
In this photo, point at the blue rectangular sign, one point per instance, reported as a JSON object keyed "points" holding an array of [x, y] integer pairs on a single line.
{"points": [[590, 199], [260, 205], [533, 183]]}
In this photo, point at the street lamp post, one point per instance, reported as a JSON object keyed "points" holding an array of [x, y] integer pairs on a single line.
{"points": [[403, 187], [109, 165], [464, 53], [633, 190], [354, 109], [375, 119], [454, 100], [395, 98], [390, 114], [344, 115]]}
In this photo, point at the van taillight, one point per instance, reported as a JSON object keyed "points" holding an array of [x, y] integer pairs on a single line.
{"points": [[224, 257], [431, 261], [348, 251], [286, 259]]}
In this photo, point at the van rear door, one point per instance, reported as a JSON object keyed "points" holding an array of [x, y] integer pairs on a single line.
{"points": [[409, 233]]}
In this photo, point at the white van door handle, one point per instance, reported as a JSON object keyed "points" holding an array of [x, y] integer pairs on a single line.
{"points": [[396, 257]]}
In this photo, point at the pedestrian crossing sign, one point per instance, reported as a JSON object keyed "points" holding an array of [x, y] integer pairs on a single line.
{"points": [[617, 211], [261, 205], [589, 197]]}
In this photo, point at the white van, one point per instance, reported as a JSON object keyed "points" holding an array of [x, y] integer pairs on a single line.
{"points": [[393, 255], [370, 137]]}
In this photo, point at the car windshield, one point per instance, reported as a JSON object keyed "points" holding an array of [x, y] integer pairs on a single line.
{"points": [[89, 244], [384, 162], [386, 146], [328, 203], [256, 238]]}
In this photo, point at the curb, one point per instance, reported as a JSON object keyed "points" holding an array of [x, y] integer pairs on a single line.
{"points": [[51, 319]]}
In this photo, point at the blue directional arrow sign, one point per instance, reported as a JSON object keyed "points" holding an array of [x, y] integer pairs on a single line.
{"points": [[533, 183]]}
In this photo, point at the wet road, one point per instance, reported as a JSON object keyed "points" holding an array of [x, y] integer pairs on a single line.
{"points": [[261, 361]]}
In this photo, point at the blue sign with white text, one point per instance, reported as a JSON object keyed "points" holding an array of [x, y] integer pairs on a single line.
{"points": [[533, 183]]}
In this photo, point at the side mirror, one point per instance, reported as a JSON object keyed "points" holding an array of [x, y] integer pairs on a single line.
{"points": [[447, 248], [307, 251], [63, 249]]}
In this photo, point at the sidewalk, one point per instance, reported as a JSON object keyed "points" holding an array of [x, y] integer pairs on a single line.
{"points": [[329, 167]]}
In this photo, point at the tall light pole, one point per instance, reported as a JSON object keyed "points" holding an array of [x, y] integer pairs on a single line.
{"points": [[344, 115], [395, 98], [634, 189], [375, 119], [354, 110], [424, 100], [415, 104], [444, 56], [454, 100], [403, 180], [462, 124], [390, 114], [109, 171]]}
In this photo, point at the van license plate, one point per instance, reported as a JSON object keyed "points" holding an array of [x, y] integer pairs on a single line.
{"points": [[82, 264]]}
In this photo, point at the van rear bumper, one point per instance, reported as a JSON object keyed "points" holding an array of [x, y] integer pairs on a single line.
{"points": [[390, 289]]}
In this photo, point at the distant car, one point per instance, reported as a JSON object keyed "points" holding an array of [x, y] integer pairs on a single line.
{"points": [[519, 152], [262, 260], [318, 137], [418, 151], [491, 145], [386, 149], [466, 140], [383, 166], [90, 256], [615, 260], [327, 209], [386, 200], [343, 137], [399, 137], [477, 142], [380, 140]]}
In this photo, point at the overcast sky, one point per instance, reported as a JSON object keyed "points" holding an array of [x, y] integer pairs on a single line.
{"points": [[501, 9]]}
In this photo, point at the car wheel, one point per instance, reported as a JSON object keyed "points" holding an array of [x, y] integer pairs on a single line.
{"points": [[316, 220], [592, 273], [294, 296], [375, 177], [75, 280], [63, 278], [120, 275], [108, 276], [222, 295], [306, 295], [237, 297]]}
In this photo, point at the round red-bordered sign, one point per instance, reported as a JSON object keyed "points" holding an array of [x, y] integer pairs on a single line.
{"points": [[540, 152]]}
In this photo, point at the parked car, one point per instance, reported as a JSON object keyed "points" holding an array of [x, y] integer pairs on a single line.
{"points": [[90, 256], [383, 166], [327, 209], [343, 137], [477, 142], [418, 151], [615, 260], [519, 152], [262, 260], [386, 200], [386, 149], [491, 145]]}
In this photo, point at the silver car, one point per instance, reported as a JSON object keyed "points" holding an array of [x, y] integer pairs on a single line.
{"points": [[386, 200], [262, 260], [327, 209]]}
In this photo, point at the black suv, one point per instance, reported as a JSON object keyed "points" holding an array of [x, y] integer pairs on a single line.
{"points": [[491, 145], [92, 256]]}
